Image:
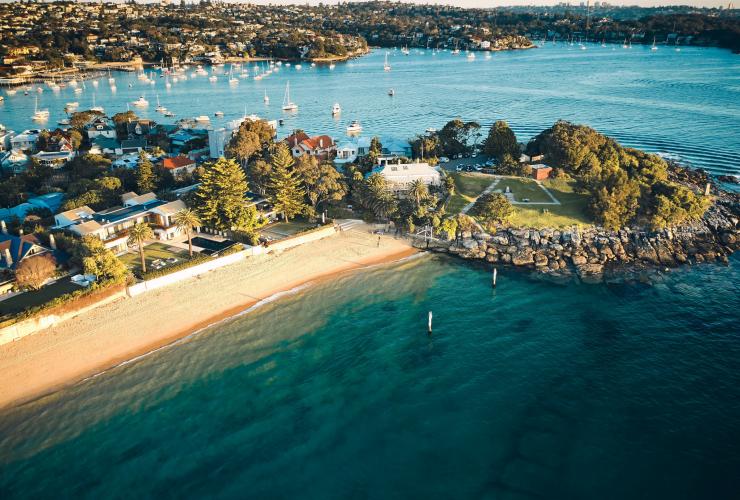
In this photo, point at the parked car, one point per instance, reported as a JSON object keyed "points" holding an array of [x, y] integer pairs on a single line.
{"points": [[474, 155], [444, 159], [478, 168], [458, 168]]}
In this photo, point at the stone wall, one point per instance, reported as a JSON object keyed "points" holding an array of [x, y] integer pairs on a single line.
{"points": [[595, 252]]}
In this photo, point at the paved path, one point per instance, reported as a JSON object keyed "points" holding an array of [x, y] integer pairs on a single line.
{"points": [[485, 191]]}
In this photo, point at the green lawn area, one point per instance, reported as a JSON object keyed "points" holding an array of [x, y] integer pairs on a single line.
{"points": [[14, 305], [523, 188], [468, 186], [571, 211], [152, 252]]}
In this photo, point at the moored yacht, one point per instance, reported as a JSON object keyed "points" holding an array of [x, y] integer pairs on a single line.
{"points": [[288, 105], [141, 102], [336, 109], [354, 127]]}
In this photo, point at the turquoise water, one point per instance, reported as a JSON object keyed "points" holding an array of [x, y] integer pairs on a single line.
{"points": [[532, 390], [683, 104]]}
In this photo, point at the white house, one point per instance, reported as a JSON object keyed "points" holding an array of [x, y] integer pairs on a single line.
{"points": [[25, 140], [400, 175], [54, 159], [101, 127]]}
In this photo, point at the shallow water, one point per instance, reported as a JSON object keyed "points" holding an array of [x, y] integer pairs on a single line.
{"points": [[684, 104], [529, 390]]}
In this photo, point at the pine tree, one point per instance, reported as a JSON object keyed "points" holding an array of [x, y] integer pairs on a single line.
{"points": [[146, 181], [221, 202], [286, 191]]}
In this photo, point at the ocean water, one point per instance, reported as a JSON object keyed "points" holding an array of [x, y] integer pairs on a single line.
{"points": [[531, 390], [682, 104]]}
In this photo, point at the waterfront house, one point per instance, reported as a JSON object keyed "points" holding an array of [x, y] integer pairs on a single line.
{"points": [[179, 165], [53, 159], [400, 175], [14, 249], [395, 147], [129, 146], [104, 146], [219, 138], [111, 225], [320, 146], [5, 137], [26, 140], [101, 127]]}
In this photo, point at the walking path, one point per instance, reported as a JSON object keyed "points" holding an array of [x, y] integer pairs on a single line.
{"points": [[485, 191]]}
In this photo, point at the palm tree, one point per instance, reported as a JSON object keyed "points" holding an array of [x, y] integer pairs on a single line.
{"points": [[186, 220], [418, 191], [136, 236]]}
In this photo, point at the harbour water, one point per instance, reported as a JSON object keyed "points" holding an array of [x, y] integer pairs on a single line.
{"points": [[682, 104], [531, 390]]}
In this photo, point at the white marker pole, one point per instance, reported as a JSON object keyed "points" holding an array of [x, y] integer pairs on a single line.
{"points": [[430, 321]]}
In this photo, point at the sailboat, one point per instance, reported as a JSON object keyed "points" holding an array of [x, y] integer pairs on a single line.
{"points": [[266, 99], [288, 105], [405, 50], [99, 109], [456, 51], [159, 108], [110, 77], [386, 65], [654, 47], [40, 114], [232, 79]]}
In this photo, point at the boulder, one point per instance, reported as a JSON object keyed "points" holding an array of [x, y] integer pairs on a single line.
{"points": [[523, 257]]}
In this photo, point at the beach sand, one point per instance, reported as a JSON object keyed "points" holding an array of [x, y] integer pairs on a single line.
{"points": [[104, 337]]}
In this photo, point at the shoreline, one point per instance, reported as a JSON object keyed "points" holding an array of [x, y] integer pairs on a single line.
{"points": [[42, 364]]}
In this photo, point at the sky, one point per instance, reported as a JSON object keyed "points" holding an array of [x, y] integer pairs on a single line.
{"points": [[498, 3]]}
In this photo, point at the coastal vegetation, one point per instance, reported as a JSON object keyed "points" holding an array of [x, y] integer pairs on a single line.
{"points": [[624, 185]]}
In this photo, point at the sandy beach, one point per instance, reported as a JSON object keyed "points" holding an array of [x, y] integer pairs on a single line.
{"points": [[102, 338]]}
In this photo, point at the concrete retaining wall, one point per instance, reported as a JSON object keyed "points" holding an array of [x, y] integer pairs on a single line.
{"points": [[189, 272], [37, 323]]}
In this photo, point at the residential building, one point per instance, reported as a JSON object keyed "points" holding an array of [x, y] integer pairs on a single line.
{"points": [[101, 127], [111, 225], [5, 137], [219, 138], [179, 165], [53, 159], [13, 249], [400, 175], [14, 161], [26, 140], [49, 201], [320, 146], [128, 146]]}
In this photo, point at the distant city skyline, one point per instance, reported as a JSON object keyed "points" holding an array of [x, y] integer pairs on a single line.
{"points": [[506, 3]]}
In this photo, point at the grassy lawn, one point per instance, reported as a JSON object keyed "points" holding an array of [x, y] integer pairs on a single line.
{"points": [[280, 230], [571, 211], [152, 252], [468, 186], [19, 303], [523, 188]]}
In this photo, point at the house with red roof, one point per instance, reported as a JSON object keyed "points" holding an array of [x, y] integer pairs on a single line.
{"points": [[179, 165], [320, 146]]}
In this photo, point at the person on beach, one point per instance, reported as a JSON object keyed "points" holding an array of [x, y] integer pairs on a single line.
{"points": [[378, 241]]}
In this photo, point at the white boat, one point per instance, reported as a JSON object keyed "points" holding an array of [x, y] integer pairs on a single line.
{"points": [[288, 105], [72, 105], [159, 108], [313, 65], [63, 121], [471, 55], [336, 109], [386, 65], [266, 99], [488, 55], [40, 114], [78, 90], [219, 114], [354, 128], [73, 83], [654, 47], [110, 78], [141, 102], [94, 107], [391, 92], [11, 91], [232, 79], [405, 51], [95, 83], [202, 118], [212, 78], [168, 113], [298, 66], [200, 71], [332, 66]]}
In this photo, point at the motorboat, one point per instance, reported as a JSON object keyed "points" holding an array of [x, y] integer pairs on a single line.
{"points": [[141, 102], [354, 128], [336, 109]]}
